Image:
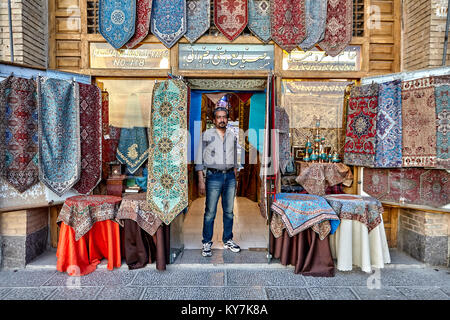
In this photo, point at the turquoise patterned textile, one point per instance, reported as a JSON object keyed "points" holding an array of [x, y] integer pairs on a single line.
{"points": [[59, 134], [167, 188], [116, 21], [168, 20], [133, 148]]}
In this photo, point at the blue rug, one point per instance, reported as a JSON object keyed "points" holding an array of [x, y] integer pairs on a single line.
{"points": [[168, 20], [116, 21]]}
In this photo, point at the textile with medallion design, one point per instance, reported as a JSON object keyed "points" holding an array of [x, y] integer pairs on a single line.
{"points": [[339, 27], [360, 142], [259, 19], [442, 93], [59, 134], [143, 11], [133, 147], [90, 137], [287, 18], [316, 16], [419, 186], [19, 133], [198, 19], [230, 17], [116, 21], [168, 20], [419, 123], [388, 152], [302, 211], [167, 191]]}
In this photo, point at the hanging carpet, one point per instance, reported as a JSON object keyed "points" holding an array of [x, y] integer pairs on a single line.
{"points": [[143, 11], [316, 18], [419, 123], [198, 19], [116, 21], [339, 27], [360, 142], [259, 19], [389, 126], [168, 20], [167, 191], [287, 20], [133, 147], [90, 138], [230, 17], [59, 134], [19, 133]]}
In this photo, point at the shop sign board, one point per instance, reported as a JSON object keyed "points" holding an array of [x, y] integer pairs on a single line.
{"points": [[242, 57], [316, 60], [151, 56]]}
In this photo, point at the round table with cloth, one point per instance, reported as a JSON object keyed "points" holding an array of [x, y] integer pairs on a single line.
{"points": [[360, 238], [143, 233], [88, 233]]}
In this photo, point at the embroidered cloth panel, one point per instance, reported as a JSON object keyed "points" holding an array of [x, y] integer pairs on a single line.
{"points": [[143, 11], [116, 21], [259, 19], [316, 18], [302, 211], [133, 207], [168, 20], [442, 94], [59, 134], [81, 212], [19, 133], [133, 148], [366, 210], [198, 19], [230, 17]]}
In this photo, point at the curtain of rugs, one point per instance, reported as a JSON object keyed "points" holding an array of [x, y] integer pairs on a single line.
{"points": [[52, 131], [289, 23]]}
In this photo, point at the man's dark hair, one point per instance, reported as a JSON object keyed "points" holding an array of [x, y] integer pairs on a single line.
{"points": [[220, 109]]}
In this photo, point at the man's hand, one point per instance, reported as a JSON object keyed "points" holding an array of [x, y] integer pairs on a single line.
{"points": [[201, 183]]}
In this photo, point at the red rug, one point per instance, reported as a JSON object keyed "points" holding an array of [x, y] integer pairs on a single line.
{"points": [[288, 23], [230, 17], [143, 11], [90, 138], [419, 123], [339, 28]]}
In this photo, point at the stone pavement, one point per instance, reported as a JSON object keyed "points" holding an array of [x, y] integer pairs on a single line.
{"points": [[226, 276]]}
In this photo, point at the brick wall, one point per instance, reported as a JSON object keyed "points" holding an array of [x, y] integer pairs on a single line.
{"points": [[423, 33], [30, 31]]}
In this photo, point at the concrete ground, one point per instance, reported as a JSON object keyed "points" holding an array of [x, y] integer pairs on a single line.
{"points": [[226, 276]]}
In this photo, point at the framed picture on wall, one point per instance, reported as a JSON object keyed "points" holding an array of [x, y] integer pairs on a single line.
{"points": [[299, 153]]}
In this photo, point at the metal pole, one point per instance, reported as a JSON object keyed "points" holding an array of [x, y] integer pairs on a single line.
{"points": [[11, 41], [444, 57]]}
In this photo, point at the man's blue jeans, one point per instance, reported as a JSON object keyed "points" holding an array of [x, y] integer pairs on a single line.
{"points": [[219, 184]]}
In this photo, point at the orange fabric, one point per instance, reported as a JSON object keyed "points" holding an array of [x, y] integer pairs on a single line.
{"points": [[81, 257]]}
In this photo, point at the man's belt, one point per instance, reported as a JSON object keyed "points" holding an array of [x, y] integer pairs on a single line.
{"points": [[221, 171]]}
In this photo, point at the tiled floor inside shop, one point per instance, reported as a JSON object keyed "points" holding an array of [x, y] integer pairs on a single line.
{"points": [[250, 230]]}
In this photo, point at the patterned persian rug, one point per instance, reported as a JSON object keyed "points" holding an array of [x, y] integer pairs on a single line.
{"points": [[339, 27], [198, 19], [287, 19], [442, 94], [230, 17], [19, 133], [360, 142], [418, 186], [133, 147], [419, 123], [143, 11], [116, 21], [167, 191], [168, 20], [259, 19], [90, 137], [59, 134], [282, 124], [316, 16], [389, 126]]}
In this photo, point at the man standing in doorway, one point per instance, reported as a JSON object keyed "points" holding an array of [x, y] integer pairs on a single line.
{"points": [[218, 157]]}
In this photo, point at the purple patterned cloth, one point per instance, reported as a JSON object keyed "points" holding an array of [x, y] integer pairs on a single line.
{"points": [[388, 152]]}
